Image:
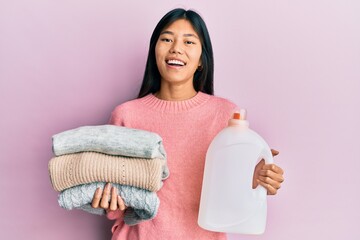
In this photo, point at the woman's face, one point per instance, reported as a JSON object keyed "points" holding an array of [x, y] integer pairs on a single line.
{"points": [[178, 52]]}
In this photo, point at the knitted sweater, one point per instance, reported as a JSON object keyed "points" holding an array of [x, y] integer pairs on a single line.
{"points": [[187, 128], [109, 139], [142, 204], [74, 169]]}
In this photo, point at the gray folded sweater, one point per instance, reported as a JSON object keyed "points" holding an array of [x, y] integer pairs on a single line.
{"points": [[109, 139], [142, 204]]}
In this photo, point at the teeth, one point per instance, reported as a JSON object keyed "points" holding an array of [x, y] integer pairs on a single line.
{"points": [[176, 62]]}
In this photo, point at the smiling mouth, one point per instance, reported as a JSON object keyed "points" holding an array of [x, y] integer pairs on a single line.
{"points": [[173, 62]]}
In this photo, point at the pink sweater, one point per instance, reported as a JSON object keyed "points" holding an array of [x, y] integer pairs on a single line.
{"points": [[187, 128]]}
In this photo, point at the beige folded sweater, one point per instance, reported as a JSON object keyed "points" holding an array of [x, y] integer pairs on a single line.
{"points": [[80, 168]]}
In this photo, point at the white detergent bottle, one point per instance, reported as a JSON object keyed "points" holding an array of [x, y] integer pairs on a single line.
{"points": [[228, 201]]}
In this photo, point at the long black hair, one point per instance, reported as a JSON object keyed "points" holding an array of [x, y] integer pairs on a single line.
{"points": [[204, 77]]}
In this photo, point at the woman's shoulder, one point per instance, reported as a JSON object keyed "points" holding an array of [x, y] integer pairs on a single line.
{"points": [[220, 107], [222, 102], [128, 105], [125, 110]]}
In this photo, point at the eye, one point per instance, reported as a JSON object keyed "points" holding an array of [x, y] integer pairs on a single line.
{"points": [[189, 42], [165, 39]]}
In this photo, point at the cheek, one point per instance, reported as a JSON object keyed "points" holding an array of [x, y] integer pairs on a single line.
{"points": [[158, 54], [196, 55]]}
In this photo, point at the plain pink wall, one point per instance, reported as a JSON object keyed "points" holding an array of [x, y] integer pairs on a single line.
{"points": [[295, 65]]}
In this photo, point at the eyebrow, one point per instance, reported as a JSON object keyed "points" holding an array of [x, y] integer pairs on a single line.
{"points": [[185, 35]]}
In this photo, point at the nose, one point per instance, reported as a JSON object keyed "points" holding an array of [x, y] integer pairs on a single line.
{"points": [[176, 48]]}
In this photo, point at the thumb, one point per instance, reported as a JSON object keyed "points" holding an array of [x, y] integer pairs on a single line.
{"points": [[274, 152]]}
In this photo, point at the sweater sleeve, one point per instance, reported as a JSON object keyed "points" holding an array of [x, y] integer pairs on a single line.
{"points": [[116, 117]]}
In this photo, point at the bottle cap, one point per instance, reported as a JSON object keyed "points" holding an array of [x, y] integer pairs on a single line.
{"points": [[236, 115], [239, 118]]}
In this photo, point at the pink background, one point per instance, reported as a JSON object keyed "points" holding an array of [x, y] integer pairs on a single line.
{"points": [[295, 65]]}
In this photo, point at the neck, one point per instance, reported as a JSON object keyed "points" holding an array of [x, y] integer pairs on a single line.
{"points": [[175, 93]]}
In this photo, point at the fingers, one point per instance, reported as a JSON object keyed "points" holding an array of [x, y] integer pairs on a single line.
{"points": [[267, 180], [104, 203], [114, 202], [270, 189], [274, 152], [271, 177], [97, 197], [273, 168], [101, 199], [121, 203]]}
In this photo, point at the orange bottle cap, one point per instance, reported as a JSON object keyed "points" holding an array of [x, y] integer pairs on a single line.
{"points": [[236, 115]]}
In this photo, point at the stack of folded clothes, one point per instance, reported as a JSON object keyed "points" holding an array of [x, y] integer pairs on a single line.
{"points": [[88, 157]]}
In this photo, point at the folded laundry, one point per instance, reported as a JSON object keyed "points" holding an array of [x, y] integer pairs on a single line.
{"points": [[141, 204], [109, 139], [80, 168]]}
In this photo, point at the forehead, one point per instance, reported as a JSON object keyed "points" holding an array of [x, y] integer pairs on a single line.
{"points": [[181, 26]]}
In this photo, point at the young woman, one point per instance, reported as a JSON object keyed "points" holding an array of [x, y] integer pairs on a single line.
{"points": [[176, 101]]}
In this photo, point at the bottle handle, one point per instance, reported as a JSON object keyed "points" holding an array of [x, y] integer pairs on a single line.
{"points": [[268, 157]]}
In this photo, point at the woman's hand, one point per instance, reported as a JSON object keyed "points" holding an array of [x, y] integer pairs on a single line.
{"points": [[101, 199], [270, 176]]}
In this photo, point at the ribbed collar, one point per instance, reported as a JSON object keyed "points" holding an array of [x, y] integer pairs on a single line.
{"points": [[175, 106]]}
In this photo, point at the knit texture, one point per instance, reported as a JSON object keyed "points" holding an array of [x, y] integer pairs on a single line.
{"points": [[80, 168], [187, 128], [109, 139], [141, 204]]}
